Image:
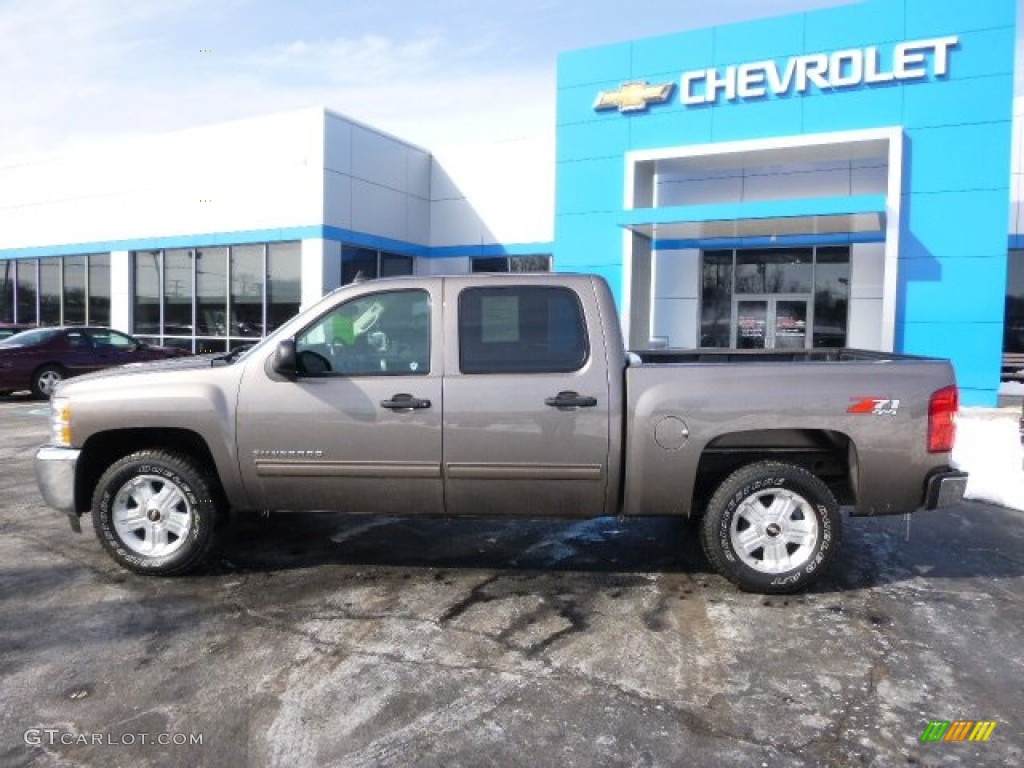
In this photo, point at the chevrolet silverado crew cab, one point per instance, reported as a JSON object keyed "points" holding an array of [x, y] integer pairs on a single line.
{"points": [[502, 396]]}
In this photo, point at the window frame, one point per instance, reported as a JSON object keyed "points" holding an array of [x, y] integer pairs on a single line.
{"points": [[415, 369], [510, 366]]}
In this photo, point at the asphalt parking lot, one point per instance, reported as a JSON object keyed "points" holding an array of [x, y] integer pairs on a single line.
{"points": [[319, 639]]}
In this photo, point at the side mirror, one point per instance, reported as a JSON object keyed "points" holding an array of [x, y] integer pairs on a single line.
{"points": [[284, 358]]}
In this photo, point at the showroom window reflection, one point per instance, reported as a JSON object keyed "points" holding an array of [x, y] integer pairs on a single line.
{"points": [[370, 263], [818, 276], [215, 299], [60, 290]]}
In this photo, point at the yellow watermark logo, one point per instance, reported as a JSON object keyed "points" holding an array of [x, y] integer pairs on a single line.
{"points": [[959, 730]]}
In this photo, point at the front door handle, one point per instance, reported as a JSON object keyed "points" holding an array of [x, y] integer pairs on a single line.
{"points": [[404, 402], [570, 400]]}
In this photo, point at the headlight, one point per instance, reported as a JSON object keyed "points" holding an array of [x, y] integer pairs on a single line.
{"points": [[60, 422]]}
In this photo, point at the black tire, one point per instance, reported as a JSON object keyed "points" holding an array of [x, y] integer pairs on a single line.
{"points": [[45, 380], [771, 528], [155, 512]]}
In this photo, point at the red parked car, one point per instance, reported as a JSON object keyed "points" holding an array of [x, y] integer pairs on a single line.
{"points": [[40, 358]]}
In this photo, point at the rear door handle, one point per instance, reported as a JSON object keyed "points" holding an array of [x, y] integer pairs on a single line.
{"points": [[570, 400], [404, 402]]}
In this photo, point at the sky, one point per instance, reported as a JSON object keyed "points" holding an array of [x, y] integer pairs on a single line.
{"points": [[80, 72]]}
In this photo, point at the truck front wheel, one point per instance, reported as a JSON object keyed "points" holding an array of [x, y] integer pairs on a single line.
{"points": [[154, 512], [772, 528]]}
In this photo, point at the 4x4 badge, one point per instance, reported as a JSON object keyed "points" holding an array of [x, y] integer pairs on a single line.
{"points": [[874, 406]]}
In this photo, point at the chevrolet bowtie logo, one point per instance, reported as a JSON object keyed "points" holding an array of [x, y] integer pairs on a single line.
{"points": [[633, 97]]}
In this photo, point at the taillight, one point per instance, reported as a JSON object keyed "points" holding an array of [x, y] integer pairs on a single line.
{"points": [[942, 410]]}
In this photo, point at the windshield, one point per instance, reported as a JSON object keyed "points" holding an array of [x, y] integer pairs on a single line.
{"points": [[26, 338]]}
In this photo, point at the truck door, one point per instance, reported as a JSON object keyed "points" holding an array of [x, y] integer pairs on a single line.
{"points": [[359, 429], [526, 402]]}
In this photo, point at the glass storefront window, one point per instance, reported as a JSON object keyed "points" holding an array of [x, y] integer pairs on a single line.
{"points": [[49, 291], [1013, 329], [529, 263], [247, 278], [211, 292], [27, 291], [772, 270], [284, 283], [831, 296], [789, 279], [74, 290], [214, 299], [369, 264], [178, 292], [395, 265], [7, 278], [56, 291], [99, 289], [357, 262], [716, 299], [146, 302], [511, 264]]}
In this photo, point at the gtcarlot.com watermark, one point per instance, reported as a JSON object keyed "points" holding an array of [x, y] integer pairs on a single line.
{"points": [[53, 737]]}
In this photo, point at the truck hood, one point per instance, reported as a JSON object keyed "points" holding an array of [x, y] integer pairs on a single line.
{"points": [[176, 364]]}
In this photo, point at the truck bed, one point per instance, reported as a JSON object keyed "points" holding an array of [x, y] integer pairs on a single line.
{"points": [[717, 355]]}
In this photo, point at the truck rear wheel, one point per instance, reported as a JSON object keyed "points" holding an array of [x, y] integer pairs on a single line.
{"points": [[154, 512], [772, 528]]}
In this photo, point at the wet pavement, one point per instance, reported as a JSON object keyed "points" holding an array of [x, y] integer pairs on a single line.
{"points": [[321, 639]]}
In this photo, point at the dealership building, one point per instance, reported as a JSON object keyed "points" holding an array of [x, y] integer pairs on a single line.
{"points": [[842, 177]]}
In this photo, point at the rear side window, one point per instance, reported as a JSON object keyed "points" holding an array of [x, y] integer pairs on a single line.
{"points": [[521, 329]]}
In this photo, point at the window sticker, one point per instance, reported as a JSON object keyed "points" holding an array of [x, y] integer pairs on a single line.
{"points": [[499, 318]]}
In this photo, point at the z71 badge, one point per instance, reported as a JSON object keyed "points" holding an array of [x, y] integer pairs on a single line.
{"points": [[875, 406]]}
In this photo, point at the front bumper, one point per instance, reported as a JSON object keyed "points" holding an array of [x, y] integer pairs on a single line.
{"points": [[55, 474], [945, 489]]}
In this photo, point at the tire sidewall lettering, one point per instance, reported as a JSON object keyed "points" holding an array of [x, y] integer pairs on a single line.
{"points": [[794, 479], [198, 535]]}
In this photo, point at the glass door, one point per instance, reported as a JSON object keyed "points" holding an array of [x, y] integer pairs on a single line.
{"points": [[771, 322], [751, 325], [789, 326]]}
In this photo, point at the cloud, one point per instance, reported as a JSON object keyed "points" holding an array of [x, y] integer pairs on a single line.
{"points": [[78, 71], [347, 61], [112, 69]]}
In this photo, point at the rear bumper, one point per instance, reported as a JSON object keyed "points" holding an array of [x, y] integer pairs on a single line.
{"points": [[55, 474], [945, 489]]}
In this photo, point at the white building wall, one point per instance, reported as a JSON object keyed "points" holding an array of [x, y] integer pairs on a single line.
{"points": [[676, 306], [763, 183], [867, 289], [263, 173], [321, 269], [375, 184], [502, 192]]}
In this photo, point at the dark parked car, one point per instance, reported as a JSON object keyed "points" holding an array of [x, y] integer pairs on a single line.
{"points": [[40, 358], [9, 329]]}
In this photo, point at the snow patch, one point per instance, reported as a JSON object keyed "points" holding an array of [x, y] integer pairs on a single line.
{"points": [[988, 447]]}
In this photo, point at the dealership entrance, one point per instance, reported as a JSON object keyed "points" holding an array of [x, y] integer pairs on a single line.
{"points": [[771, 322]]}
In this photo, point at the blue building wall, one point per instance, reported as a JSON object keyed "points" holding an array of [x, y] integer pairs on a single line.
{"points": [[957, 140]]}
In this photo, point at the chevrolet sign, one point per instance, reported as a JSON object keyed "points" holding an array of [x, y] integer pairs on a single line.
{"points": [[842, 69], [633, 97], [909, 61]]}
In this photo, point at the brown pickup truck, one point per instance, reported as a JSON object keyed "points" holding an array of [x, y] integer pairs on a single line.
{"points": [[505, 396]]}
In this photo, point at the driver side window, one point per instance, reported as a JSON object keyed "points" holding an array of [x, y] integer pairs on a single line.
{"points": [[380, 334]]}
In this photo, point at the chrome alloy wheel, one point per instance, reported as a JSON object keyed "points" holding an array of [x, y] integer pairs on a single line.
{"points": [[152, 516], [774, 530], [47, 381]]}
